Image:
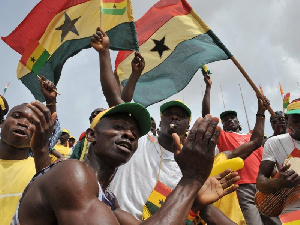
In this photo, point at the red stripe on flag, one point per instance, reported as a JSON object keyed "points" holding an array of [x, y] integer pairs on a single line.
{"points": [[155, 18], [36, 22], [162, 189], [289, 217], [112, 1], [33, 44]]}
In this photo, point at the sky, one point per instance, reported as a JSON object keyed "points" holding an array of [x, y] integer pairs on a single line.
{"points": [[262, 35]]}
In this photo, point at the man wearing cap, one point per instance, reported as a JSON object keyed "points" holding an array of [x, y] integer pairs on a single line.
{"points": [[73, 192], [61, 147], [278, 149]]}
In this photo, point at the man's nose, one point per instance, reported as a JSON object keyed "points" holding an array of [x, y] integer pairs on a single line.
{"points": [[128, 135]]}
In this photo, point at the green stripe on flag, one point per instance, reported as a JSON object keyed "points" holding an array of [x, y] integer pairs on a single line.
{"points": [[40, 62], [177, 70], [151, 207], [128, 39], [116, 12]]}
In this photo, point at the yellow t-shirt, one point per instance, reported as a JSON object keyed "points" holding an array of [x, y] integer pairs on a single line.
{"points": [[14, 177], [65, 151], [229, 204]]}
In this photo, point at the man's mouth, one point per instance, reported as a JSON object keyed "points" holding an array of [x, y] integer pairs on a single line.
{"points": [[173, 125], [20, 132], [124, 146]]}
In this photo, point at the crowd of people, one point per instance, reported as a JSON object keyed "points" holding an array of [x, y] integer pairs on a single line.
{"points": [[123, 170]]}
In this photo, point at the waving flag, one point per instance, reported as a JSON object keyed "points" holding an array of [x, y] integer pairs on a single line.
{"points": [[286, 100], [5, 89], [261, 90], [281, 90], [175, 42], [56, 30]]}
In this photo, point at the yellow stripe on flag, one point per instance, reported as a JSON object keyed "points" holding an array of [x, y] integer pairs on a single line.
{"points": [[89, 19], [296, 222], [35, 56], [172, 31], [110, 5], [156, 197]]}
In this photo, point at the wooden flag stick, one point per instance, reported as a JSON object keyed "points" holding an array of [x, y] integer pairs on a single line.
{"points": [[53, 89], [251, 84]]}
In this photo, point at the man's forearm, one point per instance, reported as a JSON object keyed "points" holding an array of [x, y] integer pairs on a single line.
{"points": [[206, 102], [176, 208], [110, 87], [267, 185], [128, 90], [213, 216]]}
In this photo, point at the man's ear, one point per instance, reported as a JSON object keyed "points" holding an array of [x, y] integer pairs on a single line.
{"points": [[90, 135], [1, 123], [187, 129], [159, 123]]}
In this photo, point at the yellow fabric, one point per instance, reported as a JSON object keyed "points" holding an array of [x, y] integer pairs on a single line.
{"points": [[65, 151], [36, 54], [293, 105], [111, 5], [14, 177], [229, 204], [2, 104], [176, 25], [84, 150]]}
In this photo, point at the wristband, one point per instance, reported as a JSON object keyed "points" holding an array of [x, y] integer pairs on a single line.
{"points": [[261, 115], [191, 217], [52, 103]]}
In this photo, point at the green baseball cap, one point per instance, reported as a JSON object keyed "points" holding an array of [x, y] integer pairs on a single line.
{"points": [[223, 114], [136, 110], [179, 103]]}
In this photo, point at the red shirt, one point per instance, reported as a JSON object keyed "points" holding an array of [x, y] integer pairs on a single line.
{"points": [[228, 141]]}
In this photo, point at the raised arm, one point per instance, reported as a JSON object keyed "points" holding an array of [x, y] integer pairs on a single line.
{"points": [[206, 97], [110, 87], [257, 136], [44, 122], [138, 65]]}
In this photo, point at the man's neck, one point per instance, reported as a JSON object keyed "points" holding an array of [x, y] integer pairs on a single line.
{"points": [[166, 142], [103, 172], [8, 152]]}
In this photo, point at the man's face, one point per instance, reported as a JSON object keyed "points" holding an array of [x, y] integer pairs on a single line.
{"points": [[18, 128], [64, 137], [71, 142], [294, 125], [231, 123], [278, 121], [174, 120], [95, 113], [116, 138]]}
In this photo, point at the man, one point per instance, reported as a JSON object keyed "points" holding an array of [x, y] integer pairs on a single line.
{"points": [[72, 192], [277, 150], [80, 149], [72, 141], [22, 127], [154, 160], [63, 146], [23, 124]]}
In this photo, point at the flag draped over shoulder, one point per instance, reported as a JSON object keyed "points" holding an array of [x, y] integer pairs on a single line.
{"points": [[56, 30], [175, 43]]}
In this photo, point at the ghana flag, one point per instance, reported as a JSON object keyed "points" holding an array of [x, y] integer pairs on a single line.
{"points": [[286, 100], [175, 42], [156, 199], [292, 218], [59, 29]]}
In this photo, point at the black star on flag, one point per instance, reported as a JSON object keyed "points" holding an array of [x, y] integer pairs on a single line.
{"points": [[160, 46], [161, 202], [69, 25], [114, 6], [32, 59]]}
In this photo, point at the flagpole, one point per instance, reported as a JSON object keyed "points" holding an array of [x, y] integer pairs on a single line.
{"points": [[298, 84], [245, 108], [251, 83], [222, 96]]}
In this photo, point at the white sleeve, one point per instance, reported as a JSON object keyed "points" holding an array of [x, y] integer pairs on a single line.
{"points": [[269, 150]]}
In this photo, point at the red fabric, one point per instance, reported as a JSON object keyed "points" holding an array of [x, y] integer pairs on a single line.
{"points": [[82, 136], [36, 22], [228, 141], [155, 17], [33, 44]]}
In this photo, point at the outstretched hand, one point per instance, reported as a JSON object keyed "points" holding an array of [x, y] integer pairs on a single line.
{"points": [[44, 124], [138, 63], [215, 188], [195, 159], [48, 90], [99, 40]]}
